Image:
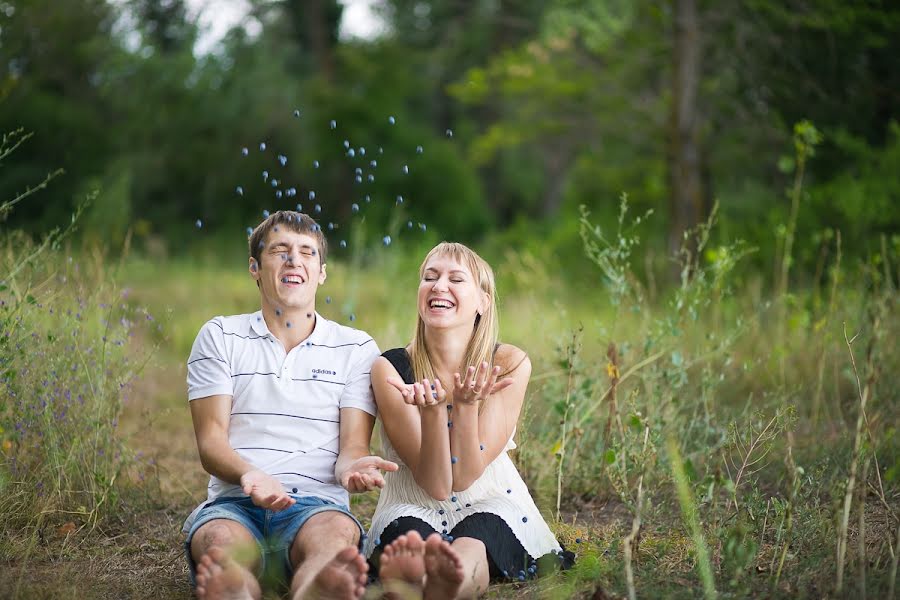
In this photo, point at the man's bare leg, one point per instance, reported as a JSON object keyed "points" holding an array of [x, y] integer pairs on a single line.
{"points": [[444, 570], [402, 566], [225, 554], [327, 563]]}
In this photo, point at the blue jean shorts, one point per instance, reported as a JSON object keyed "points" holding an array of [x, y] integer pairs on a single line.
{"points": [[273, 531]]}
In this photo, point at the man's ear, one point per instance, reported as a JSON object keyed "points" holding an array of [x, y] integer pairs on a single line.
{"points": [[254, 269], [322, 274]]}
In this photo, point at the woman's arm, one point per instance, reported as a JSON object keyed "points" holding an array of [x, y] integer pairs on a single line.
{"points": [[477, 439], [408, 425]]}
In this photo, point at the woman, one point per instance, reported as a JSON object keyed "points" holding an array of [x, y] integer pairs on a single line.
{"points": [[457, 514]]}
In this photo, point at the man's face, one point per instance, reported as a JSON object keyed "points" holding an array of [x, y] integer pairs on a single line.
{"points": [[290, 271]]}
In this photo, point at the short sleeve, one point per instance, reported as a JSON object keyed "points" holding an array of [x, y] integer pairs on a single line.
{"points": [[358, 391], [209, 372]]}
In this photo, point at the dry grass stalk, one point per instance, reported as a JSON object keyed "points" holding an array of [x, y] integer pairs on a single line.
{"points": [[631, 540], [864, 393]]}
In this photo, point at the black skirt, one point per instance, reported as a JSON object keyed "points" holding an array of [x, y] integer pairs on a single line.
{"points": [[507, 559]]}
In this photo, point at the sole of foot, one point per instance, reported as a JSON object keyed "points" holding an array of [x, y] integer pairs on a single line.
{"points": [[443, 569], [220, 578], [343, 578]]}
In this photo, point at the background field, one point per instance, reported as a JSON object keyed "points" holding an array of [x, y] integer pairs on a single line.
{"points": [[691, 210]]}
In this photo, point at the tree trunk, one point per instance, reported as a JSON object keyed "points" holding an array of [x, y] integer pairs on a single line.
{"points": [[685, 179]]}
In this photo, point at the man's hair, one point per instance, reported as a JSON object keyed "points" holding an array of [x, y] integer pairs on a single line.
{"points": [[292, 220]]}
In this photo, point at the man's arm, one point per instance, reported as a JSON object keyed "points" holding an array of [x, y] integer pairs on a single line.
{"points": [[355, 469], [211, 416]]}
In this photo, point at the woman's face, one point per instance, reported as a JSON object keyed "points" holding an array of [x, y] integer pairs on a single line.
{"points": [[449, 296]]}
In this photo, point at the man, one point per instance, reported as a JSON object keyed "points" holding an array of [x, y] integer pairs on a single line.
{"points": [[283, 414]]}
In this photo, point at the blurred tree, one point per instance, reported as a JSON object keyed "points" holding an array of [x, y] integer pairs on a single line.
{"points": [[54, 60]]}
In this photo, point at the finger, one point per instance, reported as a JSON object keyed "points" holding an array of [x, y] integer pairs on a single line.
{"points": [[420, 394], [470, 376], [502, 384], [439, 389], [430, 394], [491, 381], [483, 375], [385, 465]]}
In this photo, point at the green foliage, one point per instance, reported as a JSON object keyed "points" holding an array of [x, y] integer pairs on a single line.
{"points": [[66, 366]]}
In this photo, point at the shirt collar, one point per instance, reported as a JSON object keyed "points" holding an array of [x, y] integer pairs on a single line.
{"points": [[319, 332]]}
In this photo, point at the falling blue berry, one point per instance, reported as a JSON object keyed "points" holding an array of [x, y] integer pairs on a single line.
{"points": [[368, 198], [577, 540], [327, 299], [352, 317], [333, 124], [277, 312], [362, 151], [452, 498], [481, 446], [508, 491], [317, 208], [405, 170], [409, 224], [399, 200], [265, 175], [373, 163], [330, 226], [274, 182], [288, 324], [312, 195], [297, 113], [343, 243], [419, 150], [359, 179], [441, 511], [524, 519], [449, 133], [422, 226], [351, 152], [265, 214], [299, 208], [245, 151], [454, 460], [391, 120], [354, 207], [249, 231], [282, 159], [262, 146], [315, 164], [370, 177], [239, 190], [199, 223], [278, 193], [346, 143], [386, 240]]}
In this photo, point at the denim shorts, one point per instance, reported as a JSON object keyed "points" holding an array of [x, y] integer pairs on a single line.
{"points": [[274, 532]]}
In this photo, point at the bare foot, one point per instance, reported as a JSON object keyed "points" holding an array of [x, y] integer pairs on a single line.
{"points": [[443, 569], [403, 566], [344, 578], [220, 577]]}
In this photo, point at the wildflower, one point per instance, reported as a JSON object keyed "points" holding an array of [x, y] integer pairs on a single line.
{"points": [[612, 371]]}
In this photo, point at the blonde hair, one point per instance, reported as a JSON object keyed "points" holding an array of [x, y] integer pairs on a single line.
{"points": [[485, 329]]}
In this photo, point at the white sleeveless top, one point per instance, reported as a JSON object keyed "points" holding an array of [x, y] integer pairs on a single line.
{"points": [[499, 491]]}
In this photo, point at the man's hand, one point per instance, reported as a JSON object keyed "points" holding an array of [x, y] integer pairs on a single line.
{"points": [[265, 491], [364, 474]]}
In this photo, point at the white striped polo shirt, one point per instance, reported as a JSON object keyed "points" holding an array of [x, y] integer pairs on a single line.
{"points": [[285, 408]]}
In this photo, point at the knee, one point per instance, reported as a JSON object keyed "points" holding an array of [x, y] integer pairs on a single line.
{"points": [[213, 534], [335, 528]]}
